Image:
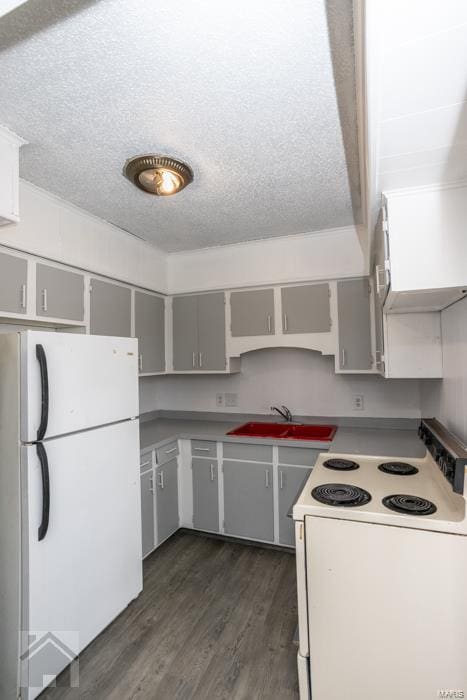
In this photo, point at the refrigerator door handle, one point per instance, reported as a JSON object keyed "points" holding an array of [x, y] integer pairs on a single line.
{"points": [[40, 354], [44, 526]]}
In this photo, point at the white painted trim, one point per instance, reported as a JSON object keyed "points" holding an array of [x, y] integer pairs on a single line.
{"points": [[432, 187]]}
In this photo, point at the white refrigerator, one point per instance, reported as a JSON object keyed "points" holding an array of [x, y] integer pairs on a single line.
{"points": [[70, 522]]}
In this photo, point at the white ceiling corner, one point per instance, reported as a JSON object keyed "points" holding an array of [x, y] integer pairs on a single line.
{"points": [[244, 92]]}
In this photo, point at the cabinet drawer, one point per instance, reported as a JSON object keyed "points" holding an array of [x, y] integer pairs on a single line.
{"points": [[305, 456], [203, 448], [145, 461], [242, 450], [167, 452]]}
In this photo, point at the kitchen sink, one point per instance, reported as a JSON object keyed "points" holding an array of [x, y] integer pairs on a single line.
{"points": [[286, 431]]}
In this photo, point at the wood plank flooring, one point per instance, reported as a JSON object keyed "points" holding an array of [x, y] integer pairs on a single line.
{"points": [[215, 621]]}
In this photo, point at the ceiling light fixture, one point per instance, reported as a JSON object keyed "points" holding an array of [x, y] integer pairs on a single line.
{"points": [[159, 175]]}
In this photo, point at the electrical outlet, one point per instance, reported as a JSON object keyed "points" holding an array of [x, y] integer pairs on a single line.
{"points": [[357, 402], [231, 400], [219, 399]]}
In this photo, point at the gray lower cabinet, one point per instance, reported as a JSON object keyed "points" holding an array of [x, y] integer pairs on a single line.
{"points": [[252, 313], [354, 320], [166, 484], [305, 309], [248, 500], [150, 331], [205, 494], [13, 284], [59, 293], [291, 481], [110, 309], [198, 326], [147, 511]]}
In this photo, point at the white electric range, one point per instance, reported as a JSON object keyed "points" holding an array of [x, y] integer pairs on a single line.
{"points": [[382, 574]]}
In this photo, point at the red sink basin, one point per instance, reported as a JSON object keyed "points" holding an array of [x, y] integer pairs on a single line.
{"points": [[286, 431]]}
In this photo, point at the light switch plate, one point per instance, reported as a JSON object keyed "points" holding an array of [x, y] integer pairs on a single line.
{"points": [[219, 399], [358, 403]]}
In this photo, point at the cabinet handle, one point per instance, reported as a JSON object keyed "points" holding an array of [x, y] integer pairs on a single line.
{"points": [[200, 359], [212, 472], [151, 485], [193, 360], [378, 270], [168, 452], [23, 296], [201, 449], [286, 324], [144, 464], [269, 323], [140, 362], [266, 473], [44, 300], [343, 357], [281, 479], [161, 479]]}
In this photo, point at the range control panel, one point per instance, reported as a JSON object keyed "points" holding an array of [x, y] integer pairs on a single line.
{"points": [[449, 454]]}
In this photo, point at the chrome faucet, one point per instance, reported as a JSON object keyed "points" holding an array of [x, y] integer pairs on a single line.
{"points": [[284, 412]]}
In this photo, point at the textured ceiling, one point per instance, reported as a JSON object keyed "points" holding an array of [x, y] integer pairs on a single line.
{"points": [[244, 91]]}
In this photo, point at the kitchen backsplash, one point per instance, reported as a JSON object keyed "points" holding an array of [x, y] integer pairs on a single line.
{"points": [[303, 380]]}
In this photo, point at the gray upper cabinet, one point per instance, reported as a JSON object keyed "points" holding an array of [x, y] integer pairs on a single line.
{"points": [[185, 332], [354, 319], [147, 511], [198, 323], [205, 495], [252, 313], [305, 309], [150, 331], [211, 331], [59, 293], [248, 500], [291, 482], [166, 499], [13, 284], [110, 309]]}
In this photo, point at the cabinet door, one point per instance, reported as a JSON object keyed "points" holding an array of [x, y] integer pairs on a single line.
{"points": [[185, 333], [248, 500], [211, 331], [59, 293], [166, 500], [379, 334], [205, 495], [150, 331], [291, 482], [252, 312], [305, 309], [353, 311], [110, 309], [13, 284], [147, 511]]}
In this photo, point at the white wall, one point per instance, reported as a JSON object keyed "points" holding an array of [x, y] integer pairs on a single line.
{"points": [[301, 379], [312, 256], [447, 399], [52, 228]]}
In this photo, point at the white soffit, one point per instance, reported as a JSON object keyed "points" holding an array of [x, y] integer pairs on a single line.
{"points": [[258, 98]]}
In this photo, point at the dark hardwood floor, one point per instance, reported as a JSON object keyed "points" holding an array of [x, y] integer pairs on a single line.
{"points": [[215, 621]]}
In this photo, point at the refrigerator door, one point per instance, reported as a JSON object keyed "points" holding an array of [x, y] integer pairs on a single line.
{"points": [[91, 381], [88, 566]]}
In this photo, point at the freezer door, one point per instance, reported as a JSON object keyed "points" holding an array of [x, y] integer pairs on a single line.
{"points": [[88, 566], [91, 381]]}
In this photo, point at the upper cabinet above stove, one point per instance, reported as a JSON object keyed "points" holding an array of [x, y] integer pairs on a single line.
{"points": [[421, 249]]}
